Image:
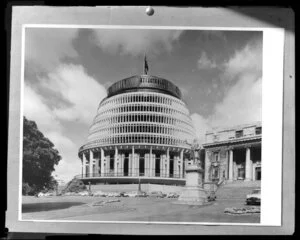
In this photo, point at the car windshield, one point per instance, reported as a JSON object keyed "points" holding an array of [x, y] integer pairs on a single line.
{"points": [[256, 191]]}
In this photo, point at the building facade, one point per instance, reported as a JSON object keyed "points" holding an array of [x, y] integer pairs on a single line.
{"points": [[142, 131], [233, 153]]}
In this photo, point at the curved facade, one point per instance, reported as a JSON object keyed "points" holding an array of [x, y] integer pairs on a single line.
{"points": [[141, 129]]}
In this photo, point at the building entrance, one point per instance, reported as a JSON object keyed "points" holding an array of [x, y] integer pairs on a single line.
{"points": [[258, 173], [126, 164]]}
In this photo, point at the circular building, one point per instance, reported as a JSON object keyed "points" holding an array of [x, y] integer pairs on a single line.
{"points": [[142, 132]]}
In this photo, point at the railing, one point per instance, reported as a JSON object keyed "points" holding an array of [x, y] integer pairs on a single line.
{"points": [[135, 173]]}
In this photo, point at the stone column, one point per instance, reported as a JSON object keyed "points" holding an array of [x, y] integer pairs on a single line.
{"points": [[175, 167], [102, 169], [147, 164], [132, 165], [153, 160], [181, 165], [167, 162], [83, 165], [137, 164], [97, 166], [162, 165], [116, 163], [91, 159], [248, 165], [150, 163], [207, 166], [230, 165]]}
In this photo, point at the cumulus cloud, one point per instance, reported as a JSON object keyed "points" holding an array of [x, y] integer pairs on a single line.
{"points": [[246, 61], [136, 41], [35, 108], [242, 102], [78, 88], [44, 49], [83, 94], [205, 63]]}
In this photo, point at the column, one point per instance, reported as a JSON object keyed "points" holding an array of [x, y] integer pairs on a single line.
{"points": [[230, 165], [137, 164], [147, 164], [207, 166], [248, 165], [167, 163], [116, 163], [102, 169], [162, 164], [175, 167], [150, 163], [122, 165], [181, 165], [83, 165], [153, 164], [91, 159], [97, 166], [132, 162]]}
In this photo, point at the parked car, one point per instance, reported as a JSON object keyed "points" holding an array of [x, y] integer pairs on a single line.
{"points": [[254, 197]]}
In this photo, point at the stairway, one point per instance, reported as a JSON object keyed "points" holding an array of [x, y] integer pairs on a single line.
{"points": [[236, 189]]}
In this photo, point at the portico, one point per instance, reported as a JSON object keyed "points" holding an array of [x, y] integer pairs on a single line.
{"points": [[235, 158], [133, 161]]}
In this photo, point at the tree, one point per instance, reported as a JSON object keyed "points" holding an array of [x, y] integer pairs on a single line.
{"points": [[39, 158]]}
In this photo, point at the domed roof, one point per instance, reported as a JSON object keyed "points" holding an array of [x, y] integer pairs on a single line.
{"points": [[152, 83]]}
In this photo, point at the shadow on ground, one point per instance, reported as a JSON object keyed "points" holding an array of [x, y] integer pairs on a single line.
{"points": [[38, 207]]}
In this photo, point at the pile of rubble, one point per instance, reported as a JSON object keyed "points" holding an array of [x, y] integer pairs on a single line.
{"points": [[243, 210]]}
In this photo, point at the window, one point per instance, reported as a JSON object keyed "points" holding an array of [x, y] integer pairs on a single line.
{"points": [[258, 130], [239, 133]]}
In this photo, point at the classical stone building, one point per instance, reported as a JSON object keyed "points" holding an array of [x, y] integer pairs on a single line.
{"points": [[233, 153], [142, 131]]}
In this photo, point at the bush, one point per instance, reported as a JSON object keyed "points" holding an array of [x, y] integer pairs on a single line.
{"points": [[75, 185]]}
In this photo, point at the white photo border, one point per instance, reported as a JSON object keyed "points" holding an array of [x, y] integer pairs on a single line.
{"points": [[272, 113]]}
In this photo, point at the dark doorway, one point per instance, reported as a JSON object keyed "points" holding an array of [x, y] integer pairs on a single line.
{"points": [[241, 173], [171, 169], [126, 164], [142, 166], [258, 173], [157, 167]]}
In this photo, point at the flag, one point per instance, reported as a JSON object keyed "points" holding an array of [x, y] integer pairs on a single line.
{"points": [[145, 65]]}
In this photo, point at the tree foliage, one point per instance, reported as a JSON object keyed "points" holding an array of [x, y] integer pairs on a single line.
{"points": [[39, 159]]}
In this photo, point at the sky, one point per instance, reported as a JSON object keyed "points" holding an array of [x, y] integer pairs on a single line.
{"points": [[68, 70]]}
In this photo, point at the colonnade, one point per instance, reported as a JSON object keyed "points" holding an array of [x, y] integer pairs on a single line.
{"points": [[90, 163], [248, 164]]}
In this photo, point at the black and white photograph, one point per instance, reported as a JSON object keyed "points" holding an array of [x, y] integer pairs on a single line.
{"points": [[149, 124]]}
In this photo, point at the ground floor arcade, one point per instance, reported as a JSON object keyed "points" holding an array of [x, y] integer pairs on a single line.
{"points": [[239, 161], [133, 161]]}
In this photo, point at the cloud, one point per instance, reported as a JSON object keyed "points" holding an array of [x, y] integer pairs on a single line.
{"points": [[82, 92], [36, 109], [79, 89], [44, 49], [246, 61], [136, 42], [242, 101], [201, 125], [205, 63]]}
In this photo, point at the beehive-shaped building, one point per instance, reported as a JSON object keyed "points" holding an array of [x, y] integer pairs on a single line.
{"points": [[142, 131]]}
